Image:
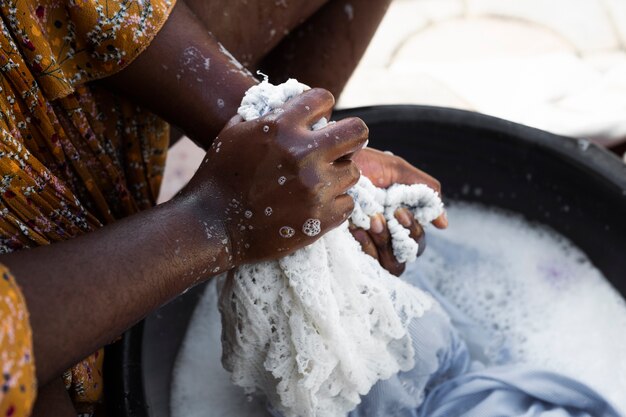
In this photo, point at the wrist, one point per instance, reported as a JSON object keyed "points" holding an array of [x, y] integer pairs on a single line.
{"points": [[216, 107], [201, 239]]}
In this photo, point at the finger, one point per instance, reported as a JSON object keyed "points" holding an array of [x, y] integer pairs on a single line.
{"points": [[382, 239], [346, 175], [441, 222], [418, 176], [342, 209], [366, 242], [309, 107], [409, 174], [416, 232], [430, 181], [343, 139]]}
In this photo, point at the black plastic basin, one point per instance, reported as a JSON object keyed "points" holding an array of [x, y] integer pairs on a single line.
{"points": [[577, 188]]}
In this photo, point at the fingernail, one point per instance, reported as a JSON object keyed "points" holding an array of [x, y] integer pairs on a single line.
{"points": [[376, 224], [404, 217]]}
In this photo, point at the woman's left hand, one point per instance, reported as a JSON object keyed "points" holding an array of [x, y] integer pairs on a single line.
{"points": [[384, 170]]}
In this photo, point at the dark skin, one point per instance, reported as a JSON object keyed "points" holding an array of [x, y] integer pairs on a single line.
{"points": [[143, 261]]}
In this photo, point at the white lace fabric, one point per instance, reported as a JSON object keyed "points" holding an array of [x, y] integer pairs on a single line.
{"points": [[317, 329]]}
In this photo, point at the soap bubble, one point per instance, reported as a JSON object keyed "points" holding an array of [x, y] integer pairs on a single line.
{"points": [[268, 211], [286, 232], [312, 227], [282, 180], [248, 214], [266, 128]]}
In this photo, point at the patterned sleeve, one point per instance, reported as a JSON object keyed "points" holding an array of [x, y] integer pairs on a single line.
{"points": [[69, 42], [18, 370]]}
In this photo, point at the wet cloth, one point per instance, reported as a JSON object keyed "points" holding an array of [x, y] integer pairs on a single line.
{"points": [[74, 157], [451, 380], [446, 382], [316, 329]]}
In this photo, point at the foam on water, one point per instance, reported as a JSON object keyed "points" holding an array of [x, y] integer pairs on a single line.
{"points": [[539, 299], [537, 296]]}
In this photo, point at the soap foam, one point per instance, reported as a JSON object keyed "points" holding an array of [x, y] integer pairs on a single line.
{"points": [[539, 298]]}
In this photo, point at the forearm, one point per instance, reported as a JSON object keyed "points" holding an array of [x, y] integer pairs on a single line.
{"points": [[186, 77], [324, 51], [53, 401], [85, 292]]}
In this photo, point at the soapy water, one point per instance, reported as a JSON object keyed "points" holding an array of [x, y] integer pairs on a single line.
{"points": [[537, 297]]}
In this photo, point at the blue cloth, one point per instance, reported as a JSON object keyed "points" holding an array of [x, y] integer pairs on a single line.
{"points": [[449, 379], [514, 391]]}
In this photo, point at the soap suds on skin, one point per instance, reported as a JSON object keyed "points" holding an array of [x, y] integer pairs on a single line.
{"points": [[239, 67], [287, 232], [312, 227]]}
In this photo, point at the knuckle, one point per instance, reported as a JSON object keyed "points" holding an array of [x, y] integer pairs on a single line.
{"points": [[323, 95], [344, 203], [312, 195], [361, 128]]}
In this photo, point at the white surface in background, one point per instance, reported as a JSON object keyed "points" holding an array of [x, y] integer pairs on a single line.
{"points": [[557, 65]]}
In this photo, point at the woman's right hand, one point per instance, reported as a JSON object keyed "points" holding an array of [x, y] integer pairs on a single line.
{"points": [[280, 184]]}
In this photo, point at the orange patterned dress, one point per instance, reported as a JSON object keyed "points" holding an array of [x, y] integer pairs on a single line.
{"points": [[73, 156]]}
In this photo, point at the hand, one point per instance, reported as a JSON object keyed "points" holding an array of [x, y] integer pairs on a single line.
{"points": [[281, 185], [384, 170]]}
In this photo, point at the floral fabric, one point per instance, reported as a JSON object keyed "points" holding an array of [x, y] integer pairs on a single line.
{"points": [[73, 156], [18, 390]]}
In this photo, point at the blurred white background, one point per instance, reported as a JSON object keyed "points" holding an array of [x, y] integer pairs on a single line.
{"points": [[559, 65]]}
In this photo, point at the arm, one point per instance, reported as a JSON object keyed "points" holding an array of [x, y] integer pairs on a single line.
{"points": [[186, 77], [327, 47], [84, 292]]}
